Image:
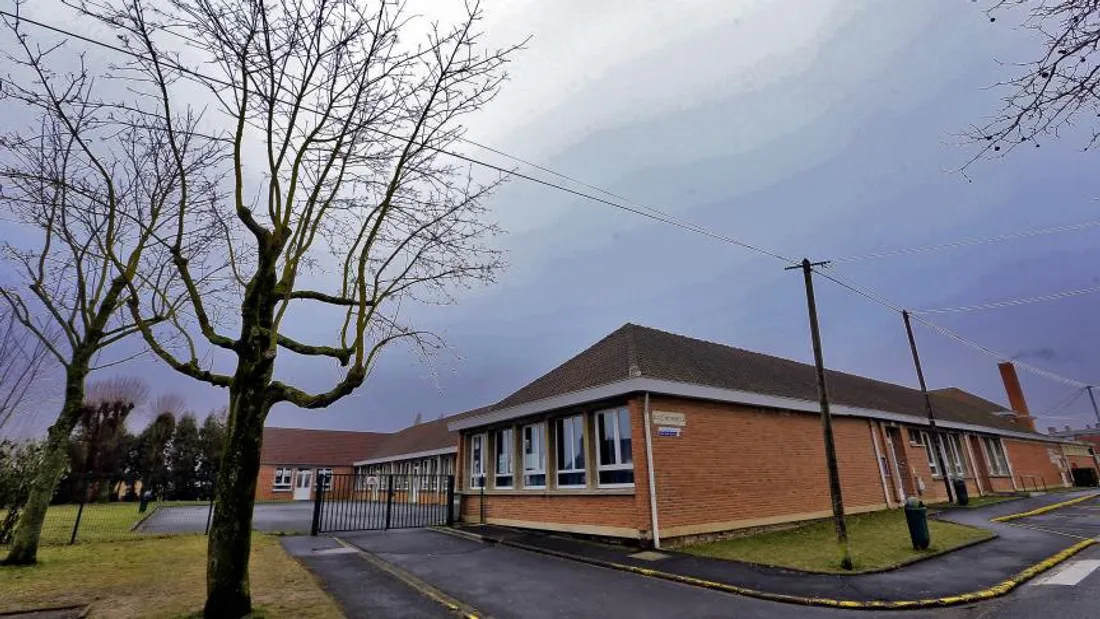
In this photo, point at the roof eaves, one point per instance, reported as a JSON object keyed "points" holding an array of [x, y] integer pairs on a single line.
{"points": [[719, 394]]}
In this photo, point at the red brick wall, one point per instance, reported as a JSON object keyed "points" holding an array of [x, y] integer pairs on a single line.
{"points": [[264, 481], [566, 510], [743, 466], [1031, 463]]}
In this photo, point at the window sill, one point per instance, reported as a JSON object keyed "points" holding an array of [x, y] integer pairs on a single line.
{"points": [[626, 491], [281, 489]]}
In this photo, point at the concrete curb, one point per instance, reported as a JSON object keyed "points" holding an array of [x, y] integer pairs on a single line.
{"points": [[997, 590], [82, 608], [1045, 509], [459, 608]]}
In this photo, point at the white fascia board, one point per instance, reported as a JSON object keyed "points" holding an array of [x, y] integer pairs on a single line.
{"points": [[716, 394], [409, 456]]}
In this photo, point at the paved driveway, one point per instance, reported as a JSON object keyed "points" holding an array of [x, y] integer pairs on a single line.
{"points": [[297, 517], [1081, 520]]}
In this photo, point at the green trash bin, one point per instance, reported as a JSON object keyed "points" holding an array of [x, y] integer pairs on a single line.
{"points": [[916, 516]]}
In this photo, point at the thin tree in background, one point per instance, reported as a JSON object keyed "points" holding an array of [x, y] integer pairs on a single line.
{"points": [[344, 209], [80, 178], [1055, 90], [183, 459], [23, 364], [100, 443]]}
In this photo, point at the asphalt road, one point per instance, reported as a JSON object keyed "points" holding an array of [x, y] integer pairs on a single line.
{"points": [[505, 583]]}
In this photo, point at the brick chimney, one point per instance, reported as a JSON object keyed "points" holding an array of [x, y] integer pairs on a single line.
{"points": [[1016, 395]]}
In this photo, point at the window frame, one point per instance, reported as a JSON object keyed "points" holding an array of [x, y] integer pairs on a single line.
{"points": [[542, 449], [992, 461], [601, 418], [288, 484], [510, 445], [558, 470], [327, 476], [483, 441]]}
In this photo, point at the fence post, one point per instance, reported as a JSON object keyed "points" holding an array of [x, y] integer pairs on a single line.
{"points": [[80, 510], [389, 499], [450, 500], [317, 501]]}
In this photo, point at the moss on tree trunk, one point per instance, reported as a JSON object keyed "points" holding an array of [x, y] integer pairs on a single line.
{"points": [[28, 531]]}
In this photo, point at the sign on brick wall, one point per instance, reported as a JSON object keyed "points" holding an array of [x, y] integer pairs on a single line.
{"points": [[665, 418]]}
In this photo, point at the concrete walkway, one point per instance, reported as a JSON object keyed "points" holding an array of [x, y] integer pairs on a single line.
{"points": [[960, 572]]}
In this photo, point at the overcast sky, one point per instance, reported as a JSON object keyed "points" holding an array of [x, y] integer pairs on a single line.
{"points": [[812, 128]]}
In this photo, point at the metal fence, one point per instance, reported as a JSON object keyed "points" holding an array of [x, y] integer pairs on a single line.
{"points": [[361, 502], [92, 508]]}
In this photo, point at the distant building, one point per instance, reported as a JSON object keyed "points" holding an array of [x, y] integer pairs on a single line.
{"points": [[292, 458]]}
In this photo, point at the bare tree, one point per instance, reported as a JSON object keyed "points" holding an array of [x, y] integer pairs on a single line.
{"points": [[82, 178], [1059, 88], [344, 207], [22, 365]]}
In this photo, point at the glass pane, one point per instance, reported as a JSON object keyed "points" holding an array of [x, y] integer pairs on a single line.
{"points": [[534, 480], [578, 442], [504, 481], [571, 479], [606, 437], [625, 444], [563, 443]]}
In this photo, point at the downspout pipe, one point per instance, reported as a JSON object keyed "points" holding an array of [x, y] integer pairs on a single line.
{"points": [[649, 470]]}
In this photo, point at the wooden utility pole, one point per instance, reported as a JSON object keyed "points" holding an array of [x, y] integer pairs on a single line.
{"points": [[932, 436], [826, 418]]}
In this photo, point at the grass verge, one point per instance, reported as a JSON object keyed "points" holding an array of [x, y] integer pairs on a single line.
{"points": [[879, 540], [162, 577]]}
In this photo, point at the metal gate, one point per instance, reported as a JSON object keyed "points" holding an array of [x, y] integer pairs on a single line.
{"points": [[361, 502]]}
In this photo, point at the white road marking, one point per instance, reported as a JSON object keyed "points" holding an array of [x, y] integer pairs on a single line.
{"points": [[1072, 573]]}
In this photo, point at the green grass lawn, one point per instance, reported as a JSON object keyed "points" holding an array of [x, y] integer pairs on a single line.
{"points": [[157, 577], [878, 540]]}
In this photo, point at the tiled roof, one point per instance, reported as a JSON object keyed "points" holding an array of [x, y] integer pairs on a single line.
{"points": [[317, 447], [634, 351], [426, 436]]}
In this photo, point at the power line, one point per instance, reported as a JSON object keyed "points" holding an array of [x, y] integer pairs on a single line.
{"points": [[972, 241], [1009, 303], [881, 300], [637, 209]]}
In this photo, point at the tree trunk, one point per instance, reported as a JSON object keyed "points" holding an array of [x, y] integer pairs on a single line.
{"points": [[28, 531], [227, 589], [230, 541]]}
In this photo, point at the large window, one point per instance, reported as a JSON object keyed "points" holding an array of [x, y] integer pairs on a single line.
{"points": [[505, 445], [282, 479], [930, 451], [953, 454], [477, 461], [325, 477], [995, 456], [616, 460], [571, 452], [534, 456]]}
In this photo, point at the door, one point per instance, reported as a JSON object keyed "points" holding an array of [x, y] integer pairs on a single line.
{"points": [[897, 451], [302, 483]]}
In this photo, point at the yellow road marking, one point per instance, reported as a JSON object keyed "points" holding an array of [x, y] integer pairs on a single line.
{"points": [[1045, 509]]}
